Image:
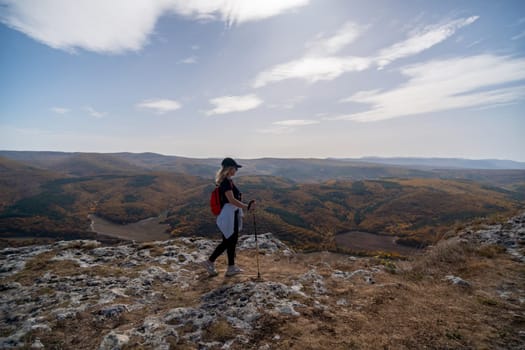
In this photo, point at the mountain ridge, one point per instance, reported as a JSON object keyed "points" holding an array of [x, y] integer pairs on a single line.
{"points": [[296, 169], [446, 162], [440, 162]]}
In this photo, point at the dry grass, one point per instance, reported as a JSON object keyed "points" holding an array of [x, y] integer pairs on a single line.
{"points": [[85, 331], [447, 255], [153, 248], [404, 312], [490, 251], [410, 306], [40, 264], [220, 331]]}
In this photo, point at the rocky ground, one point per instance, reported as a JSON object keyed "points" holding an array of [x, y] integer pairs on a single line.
{"points": [[467, 292]]}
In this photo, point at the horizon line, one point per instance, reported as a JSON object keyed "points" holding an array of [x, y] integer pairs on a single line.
{"points": [[282, 157]]}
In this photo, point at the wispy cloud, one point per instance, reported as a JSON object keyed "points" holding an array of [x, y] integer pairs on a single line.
{"points": [[419, 42], [230, 104], [321, 64], [118, 26], [345, 35], [518, 22], [188, 60], [235, 11], [276, 130], [289, 103], [287, 126], [440, 85], [100, 26], [474, 43], [296, 122], [92, 112], [160, 106], [60, 110], [311, 69], [519, 36]]}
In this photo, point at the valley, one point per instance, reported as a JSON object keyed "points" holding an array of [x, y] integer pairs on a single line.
{"points": [[357, 241], [73, 195], [150, 229]]}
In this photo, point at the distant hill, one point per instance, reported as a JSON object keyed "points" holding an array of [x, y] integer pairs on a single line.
{"points": [[77, 164], [158, 162], [305, 202], [300, 170], [449, 163], [18, 180]]}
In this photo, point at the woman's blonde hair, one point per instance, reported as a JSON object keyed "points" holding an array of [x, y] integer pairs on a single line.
{"points": [[222, 173]]}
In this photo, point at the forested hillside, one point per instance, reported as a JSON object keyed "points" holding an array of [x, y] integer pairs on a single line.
{"points": [[56, 202]]}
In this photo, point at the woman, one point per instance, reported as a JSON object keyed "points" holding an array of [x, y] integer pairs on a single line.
{"points": [[229, 220]]}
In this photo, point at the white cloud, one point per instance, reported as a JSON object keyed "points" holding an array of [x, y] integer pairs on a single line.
{"points": [[160, 106], [311, 69], [60, 110], [519, 36], [94, 25], [277, 130], [329, 46], [188, 60], [235, 11], [440, 85], [230, 104], [287, 126], [92, 112], [321, 64], [120, 25], [296, 122], [474, 43], [419, 42], [292, 102], [289, 103]]}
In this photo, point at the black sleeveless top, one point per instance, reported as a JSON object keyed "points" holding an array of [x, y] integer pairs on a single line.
{"points": [[228, 185]]}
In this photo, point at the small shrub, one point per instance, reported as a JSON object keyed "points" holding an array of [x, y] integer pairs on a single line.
{"points": [[220, 331], [454, 335], [142, 181], [444, 257], [490, 251], [389, 266], [485, 300], [131, 198], [147, 245]]}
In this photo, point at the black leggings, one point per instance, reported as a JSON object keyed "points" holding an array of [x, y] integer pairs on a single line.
{"points": [[228, 244]]}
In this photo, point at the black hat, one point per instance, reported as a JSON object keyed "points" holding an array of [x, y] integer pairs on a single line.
{"points": [[230, 162]]}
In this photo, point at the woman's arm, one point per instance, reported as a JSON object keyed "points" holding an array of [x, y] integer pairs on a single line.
{"points": [[234, 201]]}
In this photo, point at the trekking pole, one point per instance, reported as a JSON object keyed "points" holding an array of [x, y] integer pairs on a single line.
{"points": [[256, 245]]}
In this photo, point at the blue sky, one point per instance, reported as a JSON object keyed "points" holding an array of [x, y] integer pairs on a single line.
{"points": [[253, 79]]}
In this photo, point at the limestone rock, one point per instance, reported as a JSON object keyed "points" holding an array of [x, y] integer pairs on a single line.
{"points": [[510, 235], [113, 341], [458, 281]]}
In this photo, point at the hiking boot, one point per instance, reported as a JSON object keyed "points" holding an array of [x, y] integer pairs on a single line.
{"points": [[232, 270], [210, 267]]}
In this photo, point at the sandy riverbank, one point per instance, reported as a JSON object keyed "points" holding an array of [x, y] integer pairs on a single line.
{"points": [[149, 229]]}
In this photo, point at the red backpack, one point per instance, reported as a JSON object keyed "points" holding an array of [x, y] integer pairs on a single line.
{"points": [[215, 201]]}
